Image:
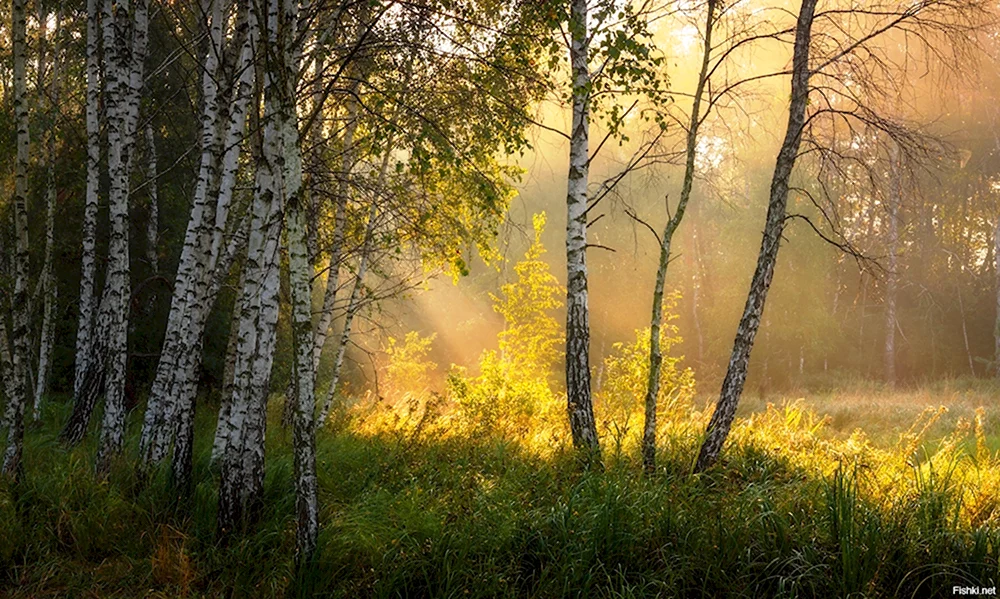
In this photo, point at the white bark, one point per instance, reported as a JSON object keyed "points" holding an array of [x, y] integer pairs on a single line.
{"points": [[153, 218], [159, 425], [300, 276], [123, 64], [209, 278], [12, 465], [88, 267], [578, 395], [47, 279], [325, 321], [242, 463], [225, 403]]}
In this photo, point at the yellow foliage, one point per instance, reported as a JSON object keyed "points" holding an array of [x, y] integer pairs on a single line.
{"points": [[620, 403], [513, 391]]}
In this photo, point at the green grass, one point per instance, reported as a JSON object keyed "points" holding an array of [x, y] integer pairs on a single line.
{"points": [[459, 517]]}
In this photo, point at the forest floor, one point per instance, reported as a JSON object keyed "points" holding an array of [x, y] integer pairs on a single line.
{"points": [[801, 505]]}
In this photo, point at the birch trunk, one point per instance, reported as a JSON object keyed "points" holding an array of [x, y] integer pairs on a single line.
{"points": [[579, 401], [6, 376], [339, 228], [996, 325], [895, 191], [242, 463], [352, 309], [49, 291], [123, 64], [229, 371], [732, 385], [88, 267], [656, 320], [304, 431], [153, 218], [178, 361], [300, 277], [13, 467], [185, 388]]}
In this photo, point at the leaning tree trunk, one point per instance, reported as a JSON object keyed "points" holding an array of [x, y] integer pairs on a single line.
{"points": [[48, 282], [210, 277], [732, 385], [242, 461], [354, 304], [352, 309], [339, 230], [170, 409], [228, 374], [578, 396], [889, 352], [656, 321], [12, 466]]}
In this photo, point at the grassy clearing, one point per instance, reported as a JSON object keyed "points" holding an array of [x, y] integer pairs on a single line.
{"points": [[798, 508]]}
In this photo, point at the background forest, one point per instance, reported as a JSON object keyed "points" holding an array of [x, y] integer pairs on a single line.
{"points": [[456, 298]]}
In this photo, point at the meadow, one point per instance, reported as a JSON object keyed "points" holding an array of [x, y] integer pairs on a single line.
{"points": [[857, 492]]}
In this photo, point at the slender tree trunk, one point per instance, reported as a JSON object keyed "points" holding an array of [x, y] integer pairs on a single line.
{"points": [[339, 229], [88, 267], [242, 463], [153, 218], [996, 325], [49, 290], [228, 373], [732, 386], [13, 467], [300, 276], [578, 394], [895, 190], [352, 309], [656, 321]]}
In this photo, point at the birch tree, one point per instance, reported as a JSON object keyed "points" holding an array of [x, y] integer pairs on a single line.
{"points": [[666, 239], [47, 278], [204, 259], [732, 386], [614, 37], [153, 217], [13, 467], [88, 266], [853, 82], [580, 403], [242, 460], [300, 275], [125, 37]]}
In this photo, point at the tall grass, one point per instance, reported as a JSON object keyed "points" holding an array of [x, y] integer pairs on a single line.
{"points": [[431, 512]]}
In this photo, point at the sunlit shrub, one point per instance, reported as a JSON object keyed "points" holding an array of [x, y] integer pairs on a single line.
{"points": [[621, 400], [406, 404], [513, 393]]}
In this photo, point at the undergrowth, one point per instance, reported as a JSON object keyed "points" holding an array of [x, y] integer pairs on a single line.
{"points": [[424, 511]]}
